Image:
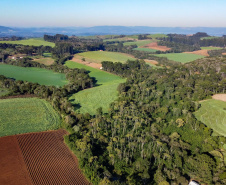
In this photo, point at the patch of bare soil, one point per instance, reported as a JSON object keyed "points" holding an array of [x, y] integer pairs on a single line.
{"points": [[13, 170], [223, 53], [154, 45], [200, 52], [38, 159], [78, 59], [153, 62], [221, 97]]}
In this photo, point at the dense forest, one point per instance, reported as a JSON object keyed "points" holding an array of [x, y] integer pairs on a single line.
{"points": [[149, 135]]}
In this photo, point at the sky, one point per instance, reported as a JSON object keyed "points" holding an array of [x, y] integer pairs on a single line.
{"points": [[88, 13]]}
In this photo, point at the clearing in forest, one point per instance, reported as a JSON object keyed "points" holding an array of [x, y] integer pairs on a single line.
{"points": [[33, 74], [180, 57], [213, 114], [100, 56], [100, 96], [31, 42], [139, 43], [38, 159], [154, 45], [23, 115]]}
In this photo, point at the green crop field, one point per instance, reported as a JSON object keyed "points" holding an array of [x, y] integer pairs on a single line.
{"points": [[100, 96], [23, 115], [181, 57], [145, 49], [210, 48], [159, 35], [139, 43], [213, 114], [99, 56], [31, 42], [32, 74]]}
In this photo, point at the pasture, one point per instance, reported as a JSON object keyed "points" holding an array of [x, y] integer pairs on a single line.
{"points": [[213, 114], [212, 37], [100, 96], [23, 115], [32, 74], [180, 57], [99, 56], [44, 60], [158, 35], [31, 42], [210, 48]]}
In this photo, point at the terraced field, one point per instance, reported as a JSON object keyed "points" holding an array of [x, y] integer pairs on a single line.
{"points": [[100, 96], [32, 74], [23, 115], [99, 56], [213, 114], [38, 159], [181, 57], [31, 42]]}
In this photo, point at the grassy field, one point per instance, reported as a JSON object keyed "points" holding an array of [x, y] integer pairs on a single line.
{"points": [[3, 91], [210, 48], [208, 38], [23, 115], [35, 75], [139, 43], [99, 56], [45, 60], [181, 57], [159, 35], [100, 96], [145, 49], [31, 42], [213, 114]]}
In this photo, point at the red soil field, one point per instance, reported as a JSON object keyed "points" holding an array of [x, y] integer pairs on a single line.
{"points": [[13, 170], [154, 45], [46, 158], [200, 52], [223, 53]]}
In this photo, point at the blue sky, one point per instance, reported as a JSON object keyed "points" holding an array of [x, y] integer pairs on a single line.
{"points": [[158, 13]]}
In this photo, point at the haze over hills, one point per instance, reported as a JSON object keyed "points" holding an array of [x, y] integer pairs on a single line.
{"points": [[106, 30]]}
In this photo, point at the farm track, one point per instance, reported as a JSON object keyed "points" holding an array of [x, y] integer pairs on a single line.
{"points": [[47, 159]]}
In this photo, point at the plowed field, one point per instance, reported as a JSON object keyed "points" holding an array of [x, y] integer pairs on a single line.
{"points": [[39, 159], [154, 45]]}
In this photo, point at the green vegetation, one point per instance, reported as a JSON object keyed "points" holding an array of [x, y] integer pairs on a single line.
{"points": [[181, 57], [23, 115], [47, 54], [207, 38], [139, 43], [46, 60], [99, 56], [210, 48], [101, 96], [145, 49], [3, 91], [31, 42], [213, 114], [35, 75], [157, 35]]}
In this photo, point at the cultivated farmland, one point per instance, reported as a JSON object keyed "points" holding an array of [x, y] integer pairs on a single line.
{"points": [[99, 56], [181, 57], [23, 115], [139, 43], [213, 114], [32, 74], [145, 49], [101, 96], [31, 42], [39, 159]]}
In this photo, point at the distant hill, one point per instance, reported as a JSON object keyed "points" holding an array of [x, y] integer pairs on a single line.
{"points": [[107, 30]]}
